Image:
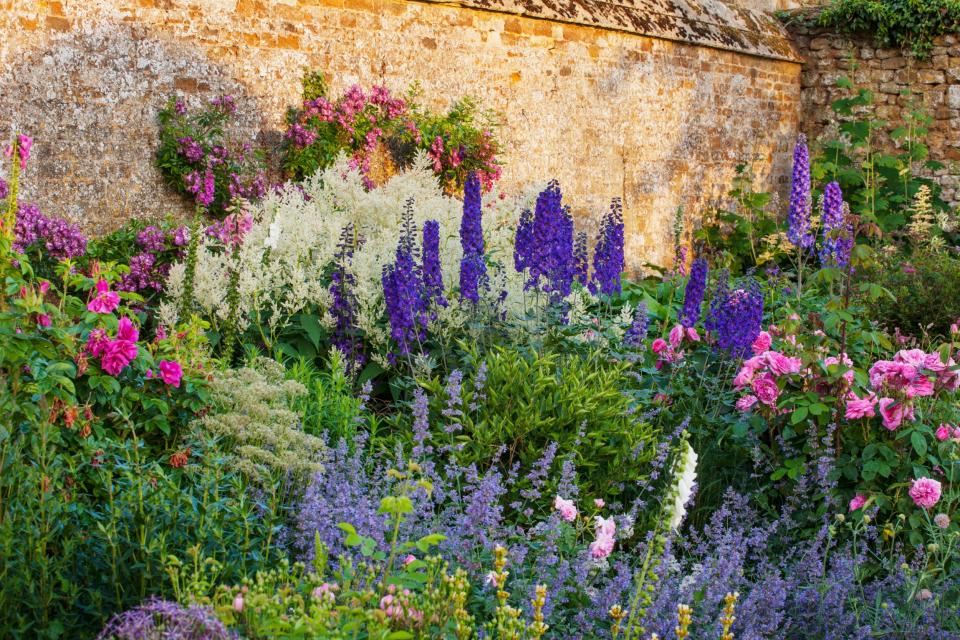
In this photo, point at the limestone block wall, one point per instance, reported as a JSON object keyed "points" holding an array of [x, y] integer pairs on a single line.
{"points": [[900, 84], [659, 121]]}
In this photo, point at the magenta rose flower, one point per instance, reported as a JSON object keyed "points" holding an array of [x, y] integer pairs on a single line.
{"points": [[105, 301], [761, 343], [766, 390], [746, 402], [894, 413], [858, 501], [171, 372], [860, 407], [925, 492]]}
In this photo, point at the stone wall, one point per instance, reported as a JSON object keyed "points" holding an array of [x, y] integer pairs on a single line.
{"points": [[658, 121], [900, 84]]}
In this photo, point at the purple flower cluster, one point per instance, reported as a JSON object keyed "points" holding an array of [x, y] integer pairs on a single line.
{"points": [[432, 274], [737, 316], [201, 185], [608, 254], [403, 290], [581, 267], [544, 246], [798, 218], [837, 234], [165, 620], [523, 242], [694, 292], [473, 267], [4, 189], [59, 239], [149, 267], [344, 302], [637, 332]]}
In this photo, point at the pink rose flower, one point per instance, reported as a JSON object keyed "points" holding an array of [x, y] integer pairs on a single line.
{"points": [[126, 330], [171, 372], [780, 364], [117, 354], [605, 526], [762, 343], [105, 301], [925, 492], [568, 510], [858, 501], [598, 503], [601, 547], [238, 603], [921, 386], [913, 357], [96, 341], [766, 390], [944, 432], [43, 320], [894, 413], [845, 361], [860, 407], [659, 345], [692, 334], [746, 403], [676, 336]]}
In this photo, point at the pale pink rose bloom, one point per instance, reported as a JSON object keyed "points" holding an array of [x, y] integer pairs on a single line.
{"points": [[944, 432], [894, 413], [746, 402], [601, 547], [743, 377], [605, 526], [858, 501], [955, 329], [860, 407], [598, 503], [676, 336], [766, 390], [410, 558], [761, 343], [780, 364], [568, 510], [659, 345], [925, 492], [238, 603]]}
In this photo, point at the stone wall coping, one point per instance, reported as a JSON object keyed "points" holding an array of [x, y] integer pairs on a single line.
{"points": [[719, 24]]}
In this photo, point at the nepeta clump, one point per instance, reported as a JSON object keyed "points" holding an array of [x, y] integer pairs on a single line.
{"points": [[199, 160]]}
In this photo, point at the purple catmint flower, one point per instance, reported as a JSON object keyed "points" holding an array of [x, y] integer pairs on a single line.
{"points": [[837, 234], [580, 265], [59, 239], [473, 268], [4, 189], [798, 218], [637, 332], [523, 241], [738, 317], [693, 294], [432, 274], [608, 254], [344, 302], [165, 620]]}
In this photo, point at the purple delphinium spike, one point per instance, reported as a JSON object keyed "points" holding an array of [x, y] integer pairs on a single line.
{"points": [[837, 236], [344, 303], [403, 291], [551, 252], [432, 274], [473, 268], [580, 268], [693, 295], [608, 254], [740, 318], [523, 241], [798, 218]]}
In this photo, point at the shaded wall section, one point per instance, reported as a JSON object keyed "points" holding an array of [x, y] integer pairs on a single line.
{"points": [[659, 121]]}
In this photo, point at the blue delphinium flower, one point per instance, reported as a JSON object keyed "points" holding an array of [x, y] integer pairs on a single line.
{"points": [[523, 241], [432, 274], [798, 218], [608, 254], [718, 296], [344, 303], [403, 290], [693, 295], [551, 261], [580, 265], [739, 318], [473, 268], [837, 236]]}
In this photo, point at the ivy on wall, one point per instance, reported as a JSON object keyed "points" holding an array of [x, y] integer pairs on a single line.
{"points": [[895, 23]]}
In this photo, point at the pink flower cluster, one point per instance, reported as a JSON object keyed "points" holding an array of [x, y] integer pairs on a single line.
{"points": [[105, 301], [602, 546], [925, 492], [397, 606], [669, 350], [760, 373], [231, 230], [114, 353], [23, 144], [568, 510], [946, 432]]}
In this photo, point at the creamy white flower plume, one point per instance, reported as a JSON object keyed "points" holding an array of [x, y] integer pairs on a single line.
{"points": [[685, 477]]}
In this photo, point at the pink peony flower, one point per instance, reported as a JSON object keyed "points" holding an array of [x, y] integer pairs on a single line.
{"points": [[568, 510], [171, 372], [858, 501], [766, 390], [944, 432], [925, 492], [762, 343], [659, 345], [860, 407], [676, 336], [746, 402], [894, 413], [105, 301]]}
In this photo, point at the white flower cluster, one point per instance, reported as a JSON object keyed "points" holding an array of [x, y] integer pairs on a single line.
{"points": [[686, 475], [286, 257]]}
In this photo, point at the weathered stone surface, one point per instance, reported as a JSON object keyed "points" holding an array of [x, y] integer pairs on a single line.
{"points": [[900, 83], [657, 122]]}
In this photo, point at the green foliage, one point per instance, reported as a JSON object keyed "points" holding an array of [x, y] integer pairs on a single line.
{"points": [[329, 404], [926, 286], [900, 23], [529, 401]]}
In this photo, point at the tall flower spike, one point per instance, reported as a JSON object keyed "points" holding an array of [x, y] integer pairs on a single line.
{"points": [[551, 253], [432, 275], [608, 255], [837, 235], [693, 295], [738, 317], [580, 258], [798, 217], [637, 332], [344, 302], [523, 241], [473, 268]]}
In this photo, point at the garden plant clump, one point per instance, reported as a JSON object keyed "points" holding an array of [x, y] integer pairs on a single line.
{"points": [[407, 405]]}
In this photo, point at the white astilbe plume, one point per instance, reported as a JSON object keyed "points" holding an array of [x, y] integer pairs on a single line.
{"points": [[286, 257], [686, 475]]}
